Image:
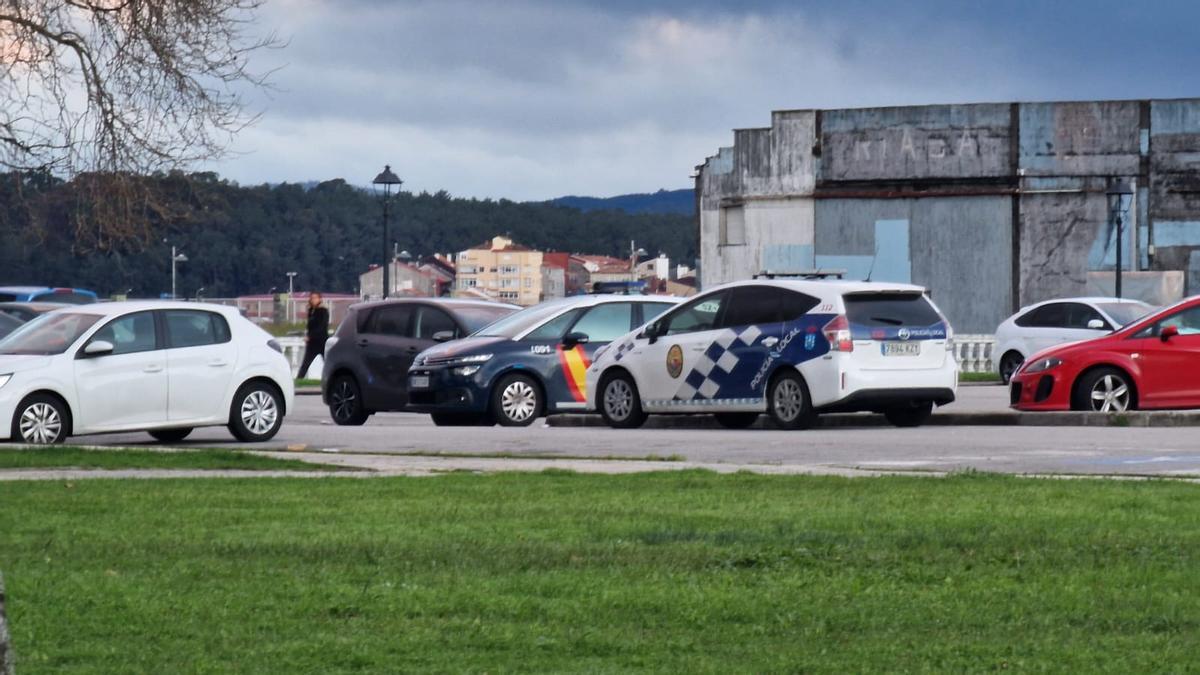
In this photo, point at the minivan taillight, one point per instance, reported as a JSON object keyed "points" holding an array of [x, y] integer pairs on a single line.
{"points": [[838, 334]]}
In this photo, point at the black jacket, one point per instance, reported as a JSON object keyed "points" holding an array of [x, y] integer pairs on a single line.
{"points": [[318, 324]]}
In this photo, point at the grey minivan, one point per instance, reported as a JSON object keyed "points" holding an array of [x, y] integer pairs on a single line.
{"points": [[367, 359]]}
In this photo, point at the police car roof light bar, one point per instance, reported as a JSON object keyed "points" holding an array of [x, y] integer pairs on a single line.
{"points": [[818, 273]]}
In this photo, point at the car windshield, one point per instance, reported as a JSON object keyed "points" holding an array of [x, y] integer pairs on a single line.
{"points": [[48, 334], [518, 322], [1125, 313], [477, 317]]}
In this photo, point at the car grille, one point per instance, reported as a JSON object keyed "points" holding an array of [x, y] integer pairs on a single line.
{"points": [[1014, 393], [1043, 389]]}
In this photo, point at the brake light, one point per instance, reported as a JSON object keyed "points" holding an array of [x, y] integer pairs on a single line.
{"points": [[838, 334]]}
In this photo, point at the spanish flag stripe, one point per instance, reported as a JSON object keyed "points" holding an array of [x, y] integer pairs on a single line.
{"points": [[574, 365]]}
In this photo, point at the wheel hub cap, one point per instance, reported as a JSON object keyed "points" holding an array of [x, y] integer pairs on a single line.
{"points": [[789, 400], [259, 412], [519, 401], [40, 423], [618, 400], [343, 401]]}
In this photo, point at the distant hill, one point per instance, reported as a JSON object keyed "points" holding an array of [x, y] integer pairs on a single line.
{"points": [[682, 202]]}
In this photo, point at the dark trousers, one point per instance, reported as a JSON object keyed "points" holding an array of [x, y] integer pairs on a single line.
{"points": [[311, 350]]}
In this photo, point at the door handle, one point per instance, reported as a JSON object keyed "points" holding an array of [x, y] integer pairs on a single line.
{"points": [[414, 349], [152, 369], [770, 341], [699, 349], [218, 363], [362, 342]]}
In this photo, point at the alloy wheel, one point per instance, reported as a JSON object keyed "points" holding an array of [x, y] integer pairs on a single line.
{"points": [[789, 400], [618, 399], [1110, 394], [344, 400]]}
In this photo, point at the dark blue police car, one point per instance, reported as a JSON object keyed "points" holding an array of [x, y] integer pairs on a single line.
{"points": [[525, 365]]}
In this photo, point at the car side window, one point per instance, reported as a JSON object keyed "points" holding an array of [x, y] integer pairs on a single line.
{"points": [[605, 323], [698, 315], [431, 321], [194, 328], [1080, 315], [129, 334], [553, 329], [651, 310], [750, 305], [1186, 321], [1053, 315], [793, 305], [391, 320]]}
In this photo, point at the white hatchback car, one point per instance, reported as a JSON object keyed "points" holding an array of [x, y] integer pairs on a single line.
{"points": [[162, 367], [789, 348], [1055, 322]]}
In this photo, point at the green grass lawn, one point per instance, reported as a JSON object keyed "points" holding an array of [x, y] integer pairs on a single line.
{"points": [[676, 572], [979, 377], [307, 382], [58, 457]]}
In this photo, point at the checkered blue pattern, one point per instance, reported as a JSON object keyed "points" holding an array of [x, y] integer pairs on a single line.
{"points": [[621, 350], [712, 369]]}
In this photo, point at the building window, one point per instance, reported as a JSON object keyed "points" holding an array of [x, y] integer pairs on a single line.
{"points": [[466, 269], [528, 283], [466, 283], [508, 283], [509, 295], [733, 225], [510, 269]]}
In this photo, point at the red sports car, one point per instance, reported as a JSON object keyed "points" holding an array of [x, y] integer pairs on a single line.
{"points": [[1153, 362]]}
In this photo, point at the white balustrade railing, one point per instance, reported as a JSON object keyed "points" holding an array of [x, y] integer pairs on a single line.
{"points": [[974, 353]]}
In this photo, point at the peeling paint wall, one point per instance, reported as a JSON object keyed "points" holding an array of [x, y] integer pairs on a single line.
{"points": [[1010, 197]]}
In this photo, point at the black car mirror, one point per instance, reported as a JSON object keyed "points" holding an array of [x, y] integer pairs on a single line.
{"points": [[652, 332], [443, 336], [572, 339]]}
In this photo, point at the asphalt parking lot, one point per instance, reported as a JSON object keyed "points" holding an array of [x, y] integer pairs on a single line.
{"points": [[1022, 450]]}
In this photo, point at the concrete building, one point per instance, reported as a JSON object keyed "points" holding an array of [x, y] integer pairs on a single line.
{"points": [[991, 206], [424, 280], [500, 270]]}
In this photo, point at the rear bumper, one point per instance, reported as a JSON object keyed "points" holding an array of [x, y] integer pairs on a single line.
{"points": [[879, 400]]}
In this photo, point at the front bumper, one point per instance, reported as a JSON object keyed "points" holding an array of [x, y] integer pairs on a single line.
{"points": [[447, 391], [1047, 390]]}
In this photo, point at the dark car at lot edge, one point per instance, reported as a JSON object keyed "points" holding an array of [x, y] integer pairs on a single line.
{"points": [[367, 359], [526, 365]]}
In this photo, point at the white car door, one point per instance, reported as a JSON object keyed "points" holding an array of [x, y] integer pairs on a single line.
{"points": [[1043, 327], [201, 361], [671, 371], [127, 388]]}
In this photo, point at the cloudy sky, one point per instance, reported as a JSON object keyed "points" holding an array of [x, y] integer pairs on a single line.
{"points": [[533, 99]]}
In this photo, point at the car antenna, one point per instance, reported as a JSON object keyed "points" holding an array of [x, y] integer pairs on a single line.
{"points": [[871, 269]]}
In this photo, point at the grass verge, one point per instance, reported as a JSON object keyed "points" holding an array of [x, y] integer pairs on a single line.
{"points": [[676, 572], [59, 457], [305, 382], [979, 377]]}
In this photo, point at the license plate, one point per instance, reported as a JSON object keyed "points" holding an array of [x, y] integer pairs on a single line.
{"points": [[419, 381], [901, 348]]}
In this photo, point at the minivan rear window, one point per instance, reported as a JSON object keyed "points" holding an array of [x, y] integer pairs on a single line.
{"points": [[882, 314]]}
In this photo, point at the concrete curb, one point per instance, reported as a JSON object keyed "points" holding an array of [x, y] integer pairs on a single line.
{"points": [[977, 419]]}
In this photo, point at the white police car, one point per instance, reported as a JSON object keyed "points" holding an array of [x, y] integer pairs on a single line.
{"points": [[790, 348]]}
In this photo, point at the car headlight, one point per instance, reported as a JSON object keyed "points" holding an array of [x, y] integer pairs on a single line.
{"points": [[1042, 365], [465, 371], [4, 379], [474, 358]]}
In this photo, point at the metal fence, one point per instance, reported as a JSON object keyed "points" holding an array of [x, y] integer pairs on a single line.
{"points": [[972, 352]]}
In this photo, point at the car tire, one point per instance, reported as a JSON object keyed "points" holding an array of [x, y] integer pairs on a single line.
{"points": [[910, 415], [256, 413], [1106, 390], [346, 402], [736, 420], [41, 420], [1009, 363], [788, 403], [517, 401], [170, 435], [619, 402], [460, 420]]}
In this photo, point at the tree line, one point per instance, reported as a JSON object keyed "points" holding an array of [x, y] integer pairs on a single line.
{"points": [[242, 240]]}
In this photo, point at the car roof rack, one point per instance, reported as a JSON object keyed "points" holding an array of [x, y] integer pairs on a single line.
{"points": [[819, 273]]}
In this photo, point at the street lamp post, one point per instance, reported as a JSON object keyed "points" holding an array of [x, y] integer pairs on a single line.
{"points": [[291, 313], [1118, 190], [175, 258], [634, 252], [383, 185]]}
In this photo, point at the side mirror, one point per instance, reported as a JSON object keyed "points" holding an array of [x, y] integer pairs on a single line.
{"points": [[571, 339], [1168, 332], [98, 348], [652, 332], [1096, 324], [443, 336]]}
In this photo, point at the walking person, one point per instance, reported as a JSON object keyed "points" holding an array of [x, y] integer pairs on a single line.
{"points": [[315, 334]]}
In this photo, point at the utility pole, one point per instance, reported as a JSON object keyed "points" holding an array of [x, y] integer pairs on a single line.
{"points": [[175, 258], [291, 310]]}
